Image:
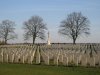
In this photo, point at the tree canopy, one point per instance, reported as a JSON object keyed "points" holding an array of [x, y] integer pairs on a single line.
{"points": [[34, 27], [7, 30], [74, 26]]}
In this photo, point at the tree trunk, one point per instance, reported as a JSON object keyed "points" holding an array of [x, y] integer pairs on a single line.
{"points": [[34, 39], [5, 41], [74, 41]]}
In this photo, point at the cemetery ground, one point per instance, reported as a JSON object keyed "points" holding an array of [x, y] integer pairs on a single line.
{"points": [[56, 59], [27, 69]]}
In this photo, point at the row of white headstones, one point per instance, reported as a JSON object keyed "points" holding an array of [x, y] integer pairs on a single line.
{"points": [[49, 55]]}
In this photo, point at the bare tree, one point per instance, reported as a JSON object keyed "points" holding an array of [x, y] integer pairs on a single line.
{"points": [[75, 25], [34, 28], [7, 30]]}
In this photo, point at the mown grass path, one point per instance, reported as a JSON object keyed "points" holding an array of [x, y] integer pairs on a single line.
{"points": [[26, 69]]}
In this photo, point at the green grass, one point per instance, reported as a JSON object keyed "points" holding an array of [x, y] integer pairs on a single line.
{"points": [[25, 69]]}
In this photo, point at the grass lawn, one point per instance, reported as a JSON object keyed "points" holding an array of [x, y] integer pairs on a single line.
{"points": [[25, 69]]}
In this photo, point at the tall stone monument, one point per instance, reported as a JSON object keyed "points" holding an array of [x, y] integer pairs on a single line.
{"points": [[48, 41]]}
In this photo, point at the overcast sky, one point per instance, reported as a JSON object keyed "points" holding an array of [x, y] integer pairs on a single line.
{"points": [[53, 12]]}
